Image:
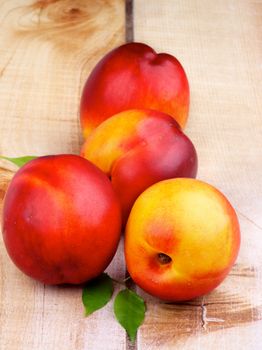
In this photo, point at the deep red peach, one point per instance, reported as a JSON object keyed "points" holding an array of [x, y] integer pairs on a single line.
{"points": [[61, 220], [134, 76]]}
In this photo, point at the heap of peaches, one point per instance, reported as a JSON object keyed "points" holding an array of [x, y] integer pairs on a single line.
{"points": [[63, 215]]}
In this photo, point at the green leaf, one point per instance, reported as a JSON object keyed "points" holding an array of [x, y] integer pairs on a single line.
{"points": [[20, 161], [97, 293], [130, 311]]}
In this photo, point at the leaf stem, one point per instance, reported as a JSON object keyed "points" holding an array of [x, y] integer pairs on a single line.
{"points": [[121, 282], [126, 279], [118, 282]]}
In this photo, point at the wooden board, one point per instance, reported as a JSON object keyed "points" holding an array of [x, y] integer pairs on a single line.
{"points": [[219, 44], [47, 49]]}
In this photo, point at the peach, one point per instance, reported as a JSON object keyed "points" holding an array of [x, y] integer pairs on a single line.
{"points": [[137, 148], [182, 238], [61, 220], [134, 76]]}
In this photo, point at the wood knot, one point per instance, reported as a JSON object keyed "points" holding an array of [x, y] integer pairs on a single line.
{"points": [[74, 11]]}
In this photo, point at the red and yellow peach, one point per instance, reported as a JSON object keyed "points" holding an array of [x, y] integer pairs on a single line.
{"points": [[137, 148], [182, 238]]}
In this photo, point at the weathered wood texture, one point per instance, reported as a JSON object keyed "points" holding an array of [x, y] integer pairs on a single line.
{"points": [[220, 46], [47, 49]]}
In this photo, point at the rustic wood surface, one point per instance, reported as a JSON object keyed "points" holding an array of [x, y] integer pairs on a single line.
{"points": [[47, 49], [220, 45]]}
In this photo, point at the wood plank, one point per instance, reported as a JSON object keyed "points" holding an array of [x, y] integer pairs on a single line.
{"points": [[47, 48], [219, 44]]}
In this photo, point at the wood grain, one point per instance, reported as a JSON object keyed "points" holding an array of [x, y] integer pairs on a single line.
{"points": [[47, 49], [219, 44]]}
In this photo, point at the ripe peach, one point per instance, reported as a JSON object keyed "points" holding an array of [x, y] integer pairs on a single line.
{"points": [[134, 76], [182, 238], [61, 220], [137, 148]]}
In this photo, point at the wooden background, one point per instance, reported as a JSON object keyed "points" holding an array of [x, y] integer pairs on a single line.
{"points": [[47, 49]]}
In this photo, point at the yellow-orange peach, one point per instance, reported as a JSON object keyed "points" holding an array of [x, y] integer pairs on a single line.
{"points": [[182, 238], [137, 148]]}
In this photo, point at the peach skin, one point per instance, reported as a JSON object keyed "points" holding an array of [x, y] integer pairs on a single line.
{"points": [[182, 238], [134, 76], [61, 220], [137, 148]]}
